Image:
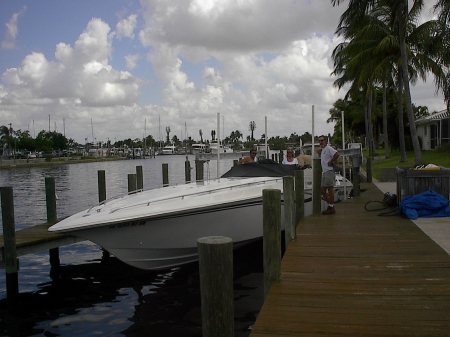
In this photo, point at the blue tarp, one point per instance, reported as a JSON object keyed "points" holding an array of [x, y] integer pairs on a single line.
{"points": [[426, 204]]}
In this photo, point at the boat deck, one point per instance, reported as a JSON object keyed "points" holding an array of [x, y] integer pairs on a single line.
{"points": [[359, 274]]}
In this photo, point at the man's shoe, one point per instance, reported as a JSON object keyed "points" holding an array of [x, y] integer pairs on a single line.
{"points": [[329, 210]]}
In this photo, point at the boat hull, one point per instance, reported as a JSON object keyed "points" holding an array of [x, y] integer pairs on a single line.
{"points": [[165, 242]]}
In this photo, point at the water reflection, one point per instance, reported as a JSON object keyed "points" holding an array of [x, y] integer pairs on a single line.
{"points": [[91, 298], [114, 299]]}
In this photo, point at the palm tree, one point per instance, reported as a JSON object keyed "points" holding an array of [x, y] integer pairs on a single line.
{"points": [[252, 127], [168, 134], [6, 139], [352, 20], [401, 48], [442, 43]]}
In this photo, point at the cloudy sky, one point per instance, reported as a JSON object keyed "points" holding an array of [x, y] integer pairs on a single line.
{"points": [[117, 69]]}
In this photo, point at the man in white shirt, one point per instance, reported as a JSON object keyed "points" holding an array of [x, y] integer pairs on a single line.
{"points": [[328, 157]]}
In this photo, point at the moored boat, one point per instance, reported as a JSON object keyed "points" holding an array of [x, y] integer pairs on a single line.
{"points": [[159, 228]]}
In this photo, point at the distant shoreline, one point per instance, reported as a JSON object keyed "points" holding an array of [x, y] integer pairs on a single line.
{"points": [[7, 164]]}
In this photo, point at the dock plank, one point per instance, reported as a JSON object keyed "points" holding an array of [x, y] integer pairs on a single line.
{"points": [[356, 273]]}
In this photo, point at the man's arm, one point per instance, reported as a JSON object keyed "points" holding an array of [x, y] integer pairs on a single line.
{"points": [[333, 159]]}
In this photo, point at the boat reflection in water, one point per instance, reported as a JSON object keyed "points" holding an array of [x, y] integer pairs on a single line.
{"points": [[110, 298], [159, 228]]}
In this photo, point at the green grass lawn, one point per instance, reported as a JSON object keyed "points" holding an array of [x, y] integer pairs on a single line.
{"points": [[437, 157]]}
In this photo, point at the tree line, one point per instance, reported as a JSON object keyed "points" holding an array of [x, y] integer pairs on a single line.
{"points": [[384, 49]]}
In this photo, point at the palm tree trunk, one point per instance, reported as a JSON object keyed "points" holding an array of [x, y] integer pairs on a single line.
{"points": [[369, 122], [401, 126], [385, 126], [404, 67]]}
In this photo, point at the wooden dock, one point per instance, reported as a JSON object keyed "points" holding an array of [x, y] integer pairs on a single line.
{"points": [[356, 273], [36, 239]]}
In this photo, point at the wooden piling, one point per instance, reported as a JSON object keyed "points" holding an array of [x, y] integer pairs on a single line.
{"points": [[271, 240], [9, 238], [216, 286], [356, 177], [199, 175], [102, 197], [52, 218], [369, 169], [101, 185], [187, 170], [165, 174], [299, 195], [289, 209], [139, 178], [132, 183], [317, 181]]}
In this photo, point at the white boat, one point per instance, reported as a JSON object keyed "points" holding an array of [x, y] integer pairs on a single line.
{"points": [[199, 148], [168, 149], [214, 148], [159, 228]]}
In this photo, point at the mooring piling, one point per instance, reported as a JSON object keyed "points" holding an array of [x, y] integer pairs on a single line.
{"points": [[317, 177], [271, 240], [139, 178], [165, 174], [299, 180], [9, 238], [101, 175], [216, 285], [289, 209]]}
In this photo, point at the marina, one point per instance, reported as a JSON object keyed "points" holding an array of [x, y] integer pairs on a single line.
{"points": [[354, 273]]}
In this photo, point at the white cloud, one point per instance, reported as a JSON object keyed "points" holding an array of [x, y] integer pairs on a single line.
{"points": [[243, 58], [79, 83], [9, 41], [126, 27], [131, 61]]}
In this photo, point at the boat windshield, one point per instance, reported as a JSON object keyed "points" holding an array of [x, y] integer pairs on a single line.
{"points": [[262, 168]]}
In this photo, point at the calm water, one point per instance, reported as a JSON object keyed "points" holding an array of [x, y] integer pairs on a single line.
{"points": [[95, 298]]}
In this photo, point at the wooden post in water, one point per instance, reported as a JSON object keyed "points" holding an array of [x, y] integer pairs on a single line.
{"points": [[9, 238], [199, 175], [101, 185], [187, 170], [299, 195], [216, 286], [289, 209], [165, 174], [139, 178], [52, 218], [102, 197], [317, 181], [271, 240], [132, 183]]}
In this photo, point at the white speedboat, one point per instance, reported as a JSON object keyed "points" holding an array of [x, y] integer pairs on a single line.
{"points": [[159, 228]]}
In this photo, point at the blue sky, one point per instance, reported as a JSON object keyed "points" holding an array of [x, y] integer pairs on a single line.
{"points": [[126, 64]]}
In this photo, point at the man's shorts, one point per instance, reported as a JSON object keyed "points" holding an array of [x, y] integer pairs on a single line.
{"points": [[328, 178]]}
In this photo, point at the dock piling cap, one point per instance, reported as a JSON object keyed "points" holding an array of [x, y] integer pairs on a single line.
{"points": [[214, 240]]}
